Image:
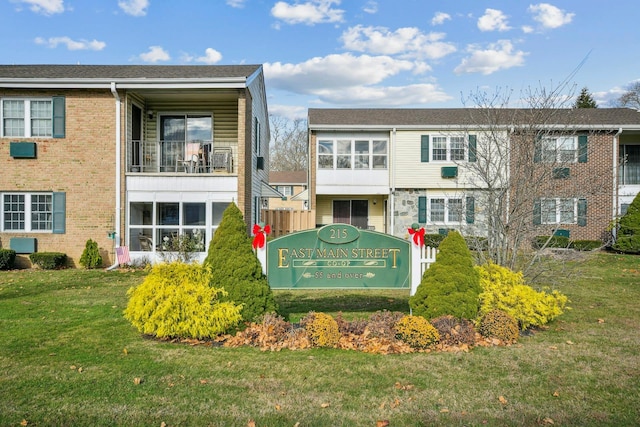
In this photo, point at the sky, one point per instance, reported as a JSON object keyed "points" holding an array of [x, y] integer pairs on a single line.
{"points": [[348, 53]]}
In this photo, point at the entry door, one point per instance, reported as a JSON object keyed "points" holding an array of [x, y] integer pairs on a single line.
{"points": [[354, 212]]}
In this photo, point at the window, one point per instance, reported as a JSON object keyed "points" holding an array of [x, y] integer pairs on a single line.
{"points": [[285, 190], [27, 212], [176, 132], [28, 118], [559, 149], [363, 154], [559, 211], [448, 148], [445, 210], [153, 224]]}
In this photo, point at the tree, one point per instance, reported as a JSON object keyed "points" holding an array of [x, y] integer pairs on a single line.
{"points": [[451, 286], [585, 100], [236, 268], [631, 98], [628, 235], [520, 165], [288, 150]]}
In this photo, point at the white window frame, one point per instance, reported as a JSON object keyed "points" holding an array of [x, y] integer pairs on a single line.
{"points": [[448, 213], [28, 213], [555, 149], [343, 155], [27, 126], [447, 148], [557, 212], [285, 190]]}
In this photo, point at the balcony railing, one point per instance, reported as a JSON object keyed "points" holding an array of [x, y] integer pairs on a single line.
{"points": [[182, 157], [629, 174]]}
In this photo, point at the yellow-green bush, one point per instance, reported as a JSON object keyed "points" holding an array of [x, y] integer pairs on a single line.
{"points": [[417, 332], [505, 290], [175, 300], [322, 329], [500, 325]]}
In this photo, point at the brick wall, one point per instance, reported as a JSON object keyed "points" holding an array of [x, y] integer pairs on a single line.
{"points": [[82, 165]]}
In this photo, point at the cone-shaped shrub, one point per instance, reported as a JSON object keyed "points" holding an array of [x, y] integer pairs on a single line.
{"points": [[628, 239], [451, 285], [236, 268]]}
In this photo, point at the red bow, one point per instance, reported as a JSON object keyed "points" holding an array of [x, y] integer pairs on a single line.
{"points": [[418, 236], [260, 235]]}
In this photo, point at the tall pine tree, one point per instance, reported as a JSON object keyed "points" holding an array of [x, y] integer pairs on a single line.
{"points": [[585, 100]]}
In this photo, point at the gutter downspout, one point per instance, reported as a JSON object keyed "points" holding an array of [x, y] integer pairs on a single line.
{"points": [[392, 207], [114, 92], [615, 178]]}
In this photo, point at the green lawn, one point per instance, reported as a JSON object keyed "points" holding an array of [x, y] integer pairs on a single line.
{"points": [[68, 358]]}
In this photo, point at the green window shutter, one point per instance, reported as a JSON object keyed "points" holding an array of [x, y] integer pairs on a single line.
{"points": [[537, 212], [472, 148], [582, 212], [58, 117], [424, 148], [422, 209], [537, 150], [59, 213], [471, 210], [582, 148]]}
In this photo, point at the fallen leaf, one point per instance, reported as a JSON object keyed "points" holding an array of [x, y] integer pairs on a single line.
{"points": [[203, 381], [382, 423], [278, 408], [502, 400], [297, 424], [444, 410], [73, 367], [80, 369], [163, 424], [251, 423], [553, 347], [124, 350], [137, 381], [556, 394], [325, 405], [570, 342], [382, 405], [548, 420], [600, 320], [24, 422]]}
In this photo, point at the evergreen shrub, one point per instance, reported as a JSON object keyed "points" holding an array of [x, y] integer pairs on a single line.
{"points": [[7, 259], [91, 257], [451, 285], [236, 268], [48, 260], [586, 245], [176, 301], [628, 233], [551, 242], [506, 290], [417, 332]]}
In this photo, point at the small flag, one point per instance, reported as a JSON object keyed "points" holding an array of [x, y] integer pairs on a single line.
{"points": [[122, 252]]}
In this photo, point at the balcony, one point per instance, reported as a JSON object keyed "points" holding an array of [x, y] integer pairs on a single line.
{"points": [[182, 157]]}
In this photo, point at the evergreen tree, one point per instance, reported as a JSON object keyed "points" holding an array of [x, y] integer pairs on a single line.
{"points": [[236, 268], [451, 286], [585, 100], [628, 239]]}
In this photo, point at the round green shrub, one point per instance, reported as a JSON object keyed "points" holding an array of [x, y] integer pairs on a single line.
{"points": [[417, 332], [7, 259], [500, 325], [175, 300], [628, 233]]}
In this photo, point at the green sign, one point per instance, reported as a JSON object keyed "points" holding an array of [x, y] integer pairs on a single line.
{"points": [[338, 256]]}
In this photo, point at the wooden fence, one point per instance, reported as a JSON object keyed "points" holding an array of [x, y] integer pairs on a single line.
{"points": [[285, 221]]}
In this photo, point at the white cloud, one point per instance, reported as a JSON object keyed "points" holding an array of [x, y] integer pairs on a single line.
{"points": [[236, 3], [384, 96], [409, 41], [371, 7], [312, 12], [439, 18], [334, 71], [291, 112], [81, 44], [211, 56], [493, 20], [45, 7], [527, 29], [155, 54], [498, 56], [550, 16], [352, 80], [134, 7]]}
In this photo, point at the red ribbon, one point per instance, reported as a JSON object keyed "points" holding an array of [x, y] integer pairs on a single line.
{"points": [[260, 235], [418, 236]]}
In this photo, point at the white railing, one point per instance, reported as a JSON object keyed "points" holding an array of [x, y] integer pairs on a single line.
{"points": [[181, 156]]}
